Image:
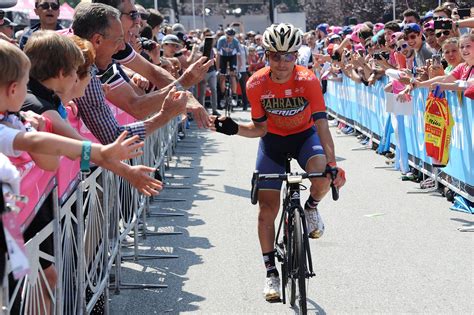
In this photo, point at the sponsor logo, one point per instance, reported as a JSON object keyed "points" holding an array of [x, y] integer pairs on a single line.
{"points": [[288, 93], [289, 106]]}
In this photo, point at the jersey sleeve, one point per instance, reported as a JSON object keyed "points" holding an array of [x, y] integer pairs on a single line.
{"points": [[315, 98], [253, 95]]}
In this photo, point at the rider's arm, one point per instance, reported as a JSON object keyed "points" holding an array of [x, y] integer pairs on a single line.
{"points": [[253, 129], [326, 139]]}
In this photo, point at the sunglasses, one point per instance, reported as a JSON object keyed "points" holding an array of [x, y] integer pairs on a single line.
{"points": [[144, 16], [412, 36], [286, 57], [48, 5], [134, 15], [445, 33], [402, 46]]}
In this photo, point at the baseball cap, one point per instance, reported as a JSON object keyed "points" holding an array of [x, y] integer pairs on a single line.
{"points": [[346, 30], [171, 39], [323, 27], [8, 22], [411, 27], [334, 37], [428, 25], [177, 27], [378, 27]]}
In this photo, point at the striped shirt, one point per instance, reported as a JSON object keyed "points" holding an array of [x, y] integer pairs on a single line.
{"points": [[98, 117]]}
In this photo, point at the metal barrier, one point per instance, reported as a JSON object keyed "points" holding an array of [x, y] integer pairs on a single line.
{"points": [[88, 229]]}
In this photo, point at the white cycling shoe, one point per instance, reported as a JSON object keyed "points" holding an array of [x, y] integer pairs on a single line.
{"points": [[271, 290], [314, 223]]}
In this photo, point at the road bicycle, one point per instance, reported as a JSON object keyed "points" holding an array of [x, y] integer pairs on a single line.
{"points": [[229, 101], [292, 244]]}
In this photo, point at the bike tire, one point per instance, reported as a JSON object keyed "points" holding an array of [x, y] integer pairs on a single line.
{"points": [[291, 262], [300, 259]]}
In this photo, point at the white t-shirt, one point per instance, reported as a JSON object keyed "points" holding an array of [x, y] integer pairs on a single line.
{"points": [[304, 54], [7, 135], [244, 51]]}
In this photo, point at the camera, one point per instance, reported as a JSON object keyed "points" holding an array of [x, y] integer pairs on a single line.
{"points": [[381, 55], [147, 44], [443, 24], [436, 60], [336, 56]]}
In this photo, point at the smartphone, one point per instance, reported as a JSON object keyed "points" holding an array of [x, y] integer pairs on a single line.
{"points": [[464, 13], [443, 24], [109, 74], [436, 60], [208, 47]]}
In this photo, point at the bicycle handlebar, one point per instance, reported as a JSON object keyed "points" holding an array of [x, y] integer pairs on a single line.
{"points": [[290, 178]]}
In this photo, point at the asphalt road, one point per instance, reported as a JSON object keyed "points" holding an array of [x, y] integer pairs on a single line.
{"points": [[387, 247]]}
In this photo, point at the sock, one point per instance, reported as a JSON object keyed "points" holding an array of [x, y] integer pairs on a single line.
{"points": [[269, 261], [311, 203]]}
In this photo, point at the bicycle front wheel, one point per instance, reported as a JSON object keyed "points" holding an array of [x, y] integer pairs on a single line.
{"points": [[300, 261]]}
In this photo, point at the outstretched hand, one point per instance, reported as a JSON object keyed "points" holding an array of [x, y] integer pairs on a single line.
{"points": [[139, 177], [225, 125], [199, 113], [195, 73], [122, 149]]}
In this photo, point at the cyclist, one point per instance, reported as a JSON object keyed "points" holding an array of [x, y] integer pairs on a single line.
{"points": [[228, 54], [289, 115]]}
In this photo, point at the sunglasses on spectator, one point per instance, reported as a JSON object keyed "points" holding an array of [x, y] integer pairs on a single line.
{"points": [[445, 33], [286, 57], [402, 46], [134, 15], [47, 5], [412, 36]]}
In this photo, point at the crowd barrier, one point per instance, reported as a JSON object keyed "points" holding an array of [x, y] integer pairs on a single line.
{"points": [[92, 216], [363, 107]]}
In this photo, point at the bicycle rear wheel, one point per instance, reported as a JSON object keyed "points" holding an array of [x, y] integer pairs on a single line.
{"points": [[300, 262]]}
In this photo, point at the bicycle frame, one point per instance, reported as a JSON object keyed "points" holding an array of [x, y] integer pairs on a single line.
{"points": [[291, 203]]}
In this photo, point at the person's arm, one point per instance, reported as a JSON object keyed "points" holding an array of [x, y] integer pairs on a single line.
{"points": [[252, 129], [60, 126], [448, 78], [108, 156], [138, 106], [98, 117], [326, 139], [161, 78], [174, 104]]}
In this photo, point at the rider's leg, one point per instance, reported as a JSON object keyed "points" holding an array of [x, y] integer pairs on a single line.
{"points": [[269, 203], [312, 159], [222, 83], [233, 83], [319, 186]]}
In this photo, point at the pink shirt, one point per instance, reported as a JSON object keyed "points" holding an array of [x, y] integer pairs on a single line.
{"points": [[463, 71]]}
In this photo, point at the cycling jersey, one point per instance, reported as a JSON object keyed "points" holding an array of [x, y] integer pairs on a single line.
{"points": [[290, 107]]}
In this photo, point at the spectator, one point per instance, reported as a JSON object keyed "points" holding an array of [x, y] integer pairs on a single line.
{"points": [[410, 16], [154, 20], [242, 70], [431, 39], [48, 13], [413, 35], [451, 54], [462, 72], [7, 28], [100, 24], [157, 76]]}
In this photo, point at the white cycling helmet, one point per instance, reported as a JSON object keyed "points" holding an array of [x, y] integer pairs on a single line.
{"points": [[283, 37]]}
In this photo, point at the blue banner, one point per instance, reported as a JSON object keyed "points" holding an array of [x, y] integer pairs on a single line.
{"points": [[365, 106]]}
